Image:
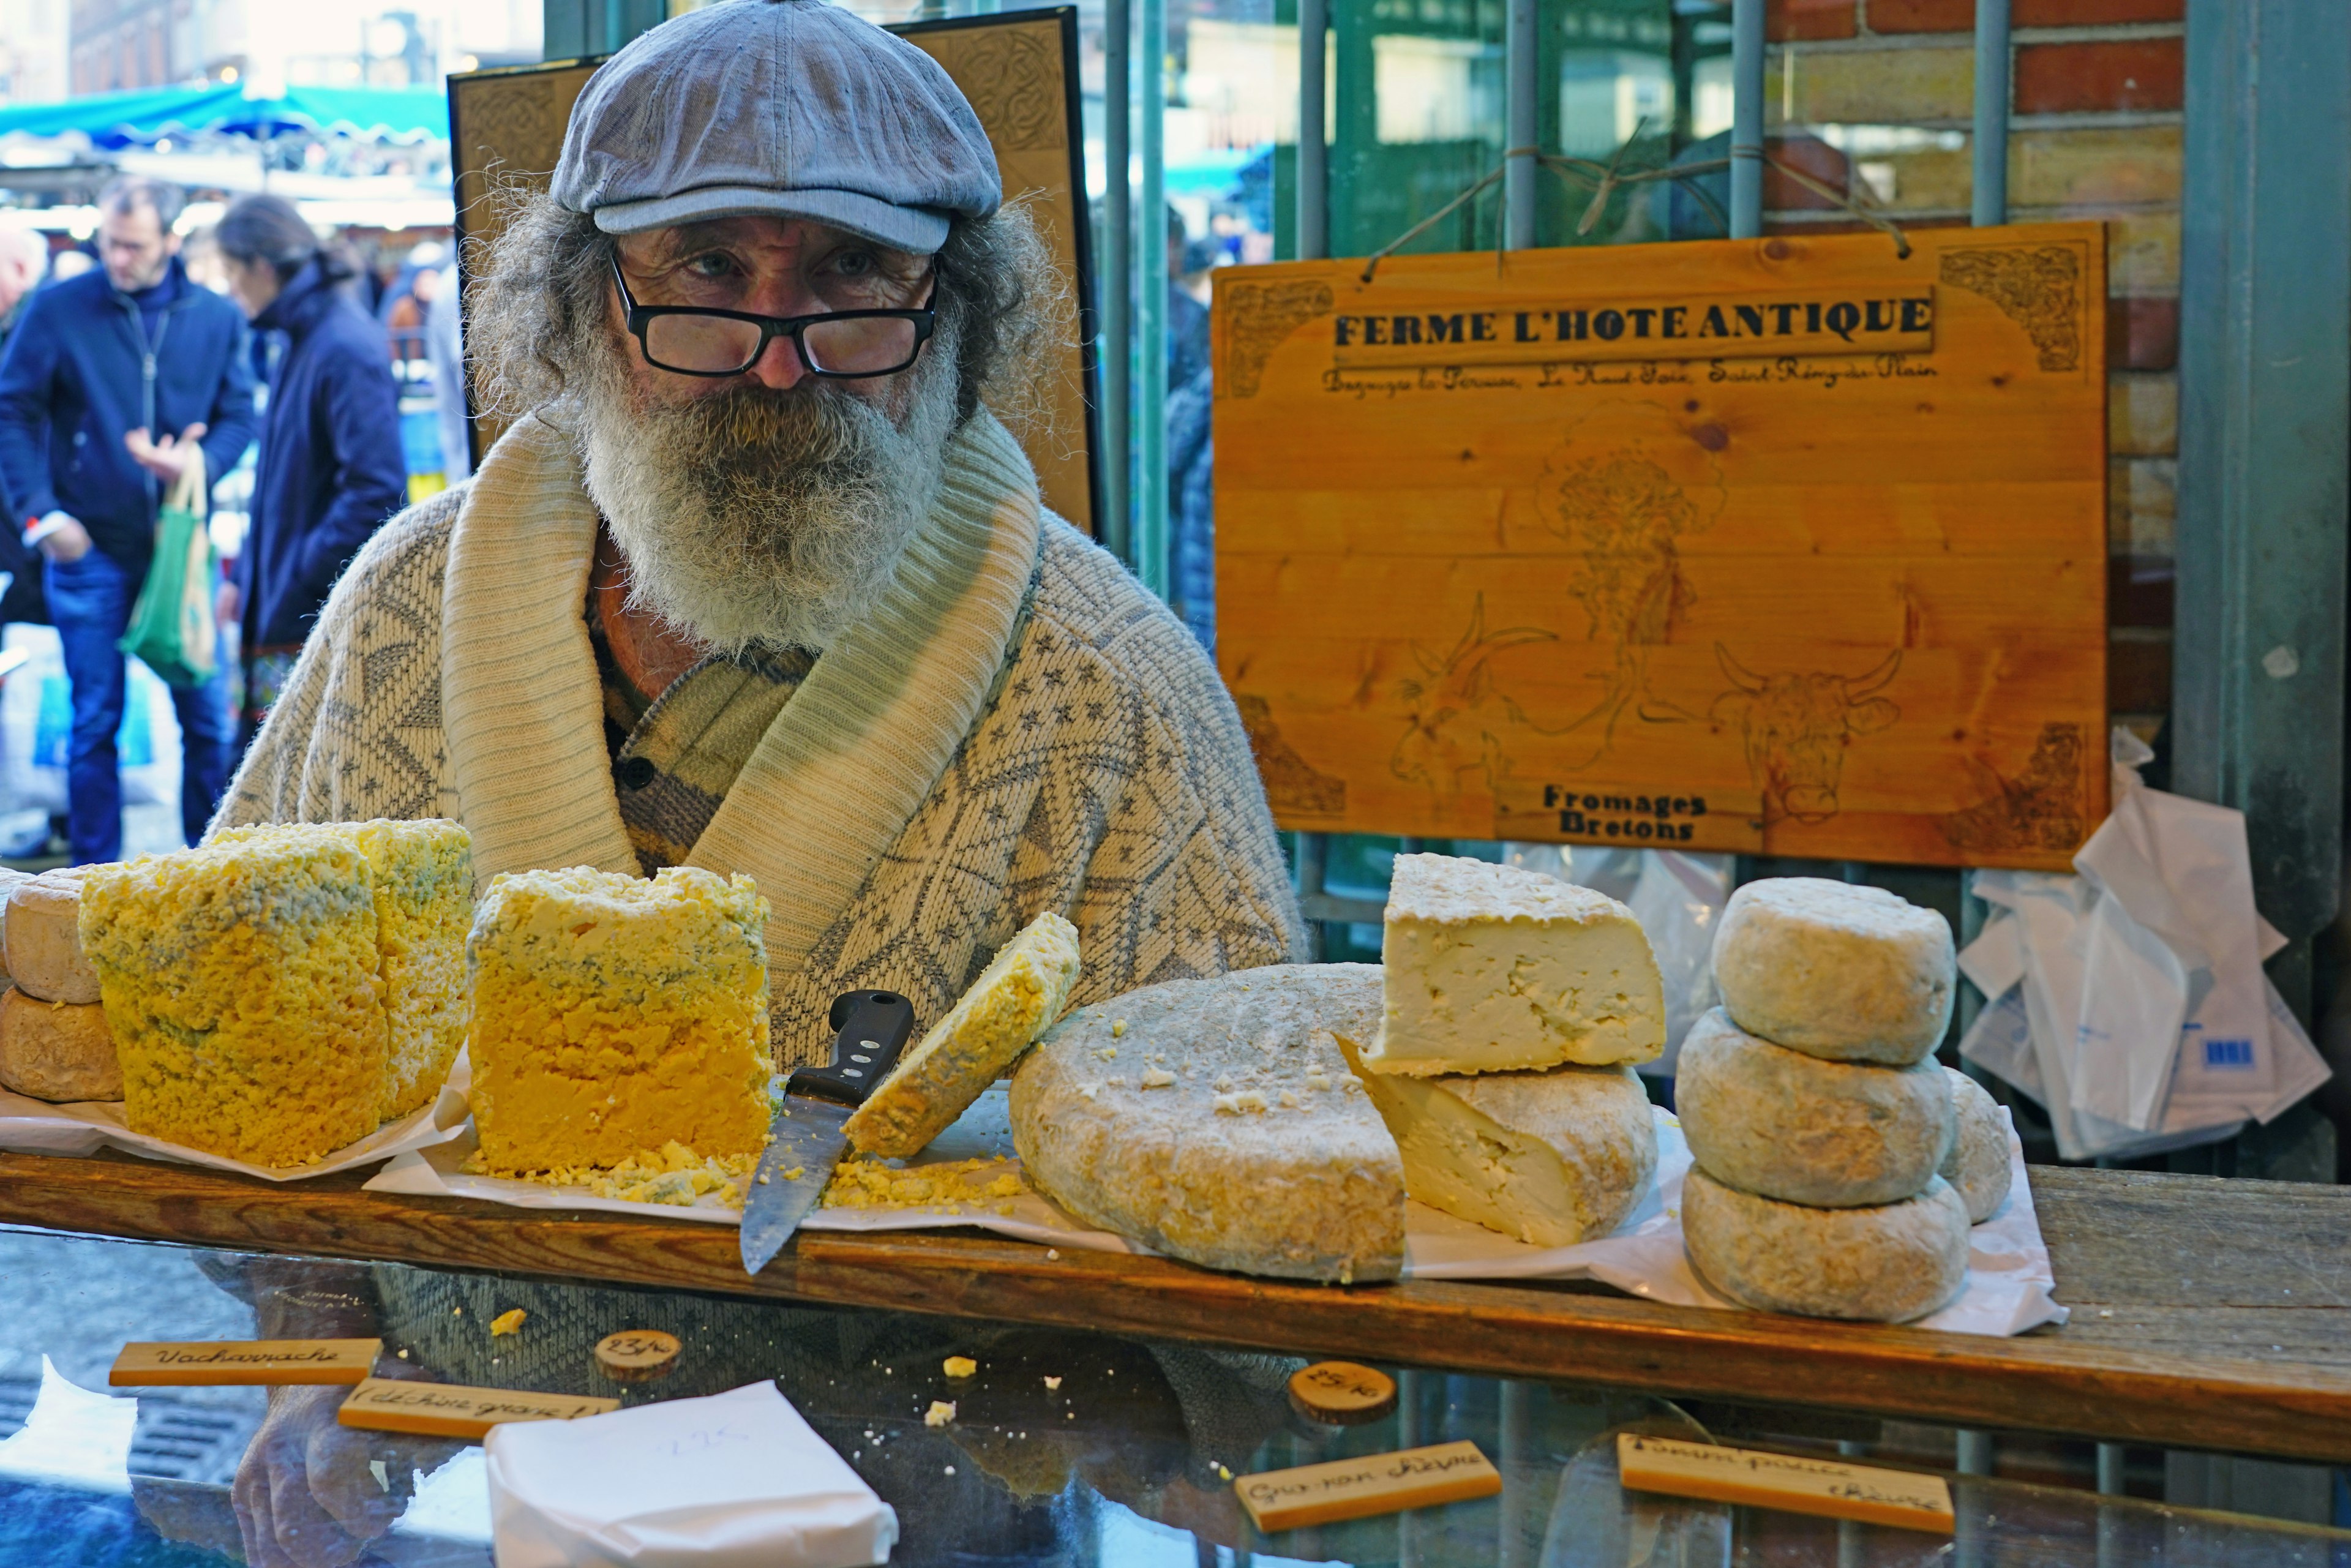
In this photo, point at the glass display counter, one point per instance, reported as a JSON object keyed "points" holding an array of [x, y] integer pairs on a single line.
{"points": [[1067, 1447]]}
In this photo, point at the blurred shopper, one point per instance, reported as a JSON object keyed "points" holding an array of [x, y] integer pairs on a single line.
{"points": [[444, 348], [110, 384], [1191, 463], [24, 262], [330, 470]]}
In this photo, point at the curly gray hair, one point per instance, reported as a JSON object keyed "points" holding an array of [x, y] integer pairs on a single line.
{"points": [[542, 301]]}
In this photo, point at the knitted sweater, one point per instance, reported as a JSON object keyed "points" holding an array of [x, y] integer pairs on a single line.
{"points": [[1017, 726]]}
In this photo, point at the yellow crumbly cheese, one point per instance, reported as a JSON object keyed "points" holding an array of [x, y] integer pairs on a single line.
{"points": [[672, 1173], [1016, 998], [614, 1014], [510, 1321], [240, 983], [869, 1184], [424, 874]]}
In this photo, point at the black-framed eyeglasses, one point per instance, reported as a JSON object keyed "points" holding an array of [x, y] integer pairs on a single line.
{"points": [[842, 345]]}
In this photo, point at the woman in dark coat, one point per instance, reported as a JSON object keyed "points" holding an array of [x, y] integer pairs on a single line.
{"points": [[329, 468]]}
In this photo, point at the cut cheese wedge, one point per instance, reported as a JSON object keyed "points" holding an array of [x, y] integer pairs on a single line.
{"points": [[1016, 998], [1548, 1158], [1494, 968]]}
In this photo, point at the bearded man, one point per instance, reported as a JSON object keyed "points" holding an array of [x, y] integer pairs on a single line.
{"points": [[761, 583]]}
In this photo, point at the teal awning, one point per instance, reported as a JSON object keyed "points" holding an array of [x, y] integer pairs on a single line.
{"points": [[146, 115]]}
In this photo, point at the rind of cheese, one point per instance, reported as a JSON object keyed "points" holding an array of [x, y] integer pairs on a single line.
{"points": [[1832, 1134], [1978, 1165], [9, 881], [1887, 1264], [1550, 1158], [44, 938], [1494, 968], [1835, 970], [1313, 1191], [1016, 998], [424, 874], [55, 1050], [240, 985], [613, 1014]]}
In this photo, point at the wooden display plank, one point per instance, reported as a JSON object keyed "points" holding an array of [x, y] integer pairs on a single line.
{"points": [[2207, 1313], [451, 1410], [1785, 545], [152, 1364], [1790, 1483], [1361, 1488]]}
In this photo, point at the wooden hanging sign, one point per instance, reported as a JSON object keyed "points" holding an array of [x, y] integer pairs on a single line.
{"points": [[1789, 1482], [1788, 546], [200, 1362], [1358, 1488], [450, 1410]]}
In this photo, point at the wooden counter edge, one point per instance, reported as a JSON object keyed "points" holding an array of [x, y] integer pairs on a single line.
{"points": [[2043, 1382]]}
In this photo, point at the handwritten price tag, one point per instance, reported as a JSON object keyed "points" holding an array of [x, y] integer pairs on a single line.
{"points": [[1358, 1488], [193, 1363], [448, 1410], [1789, 1482]]}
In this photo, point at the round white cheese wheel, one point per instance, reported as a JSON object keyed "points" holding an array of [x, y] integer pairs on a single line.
{"points": [[1215, 1121], [1833, 1135], [44, 934], [1978, 1165], [1888, 1264], [1853, 974], [57, 1051]]}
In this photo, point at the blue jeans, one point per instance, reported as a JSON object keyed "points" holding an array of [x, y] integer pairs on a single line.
{"points": [[90, 601]]}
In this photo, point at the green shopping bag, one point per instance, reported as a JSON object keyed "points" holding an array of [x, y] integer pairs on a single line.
{"points": [[172, 627]]}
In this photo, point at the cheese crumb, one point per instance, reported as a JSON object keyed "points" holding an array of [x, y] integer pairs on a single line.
{"points": [[1118, 1029], [872, 1184], [941, 1412], [1053, 1254], [1288, 1100], [1249, 1101], [1053, 1382], [1318, 1080], [1108, 1054], [1157, 1078], [1224, 1085], [509, 1322], [959, 1366]]}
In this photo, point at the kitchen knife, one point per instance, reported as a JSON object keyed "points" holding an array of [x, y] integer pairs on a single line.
{"points": [[869, 1029]]}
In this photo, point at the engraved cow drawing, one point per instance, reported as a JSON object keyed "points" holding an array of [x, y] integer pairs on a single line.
{"points": [[1796, 728]]}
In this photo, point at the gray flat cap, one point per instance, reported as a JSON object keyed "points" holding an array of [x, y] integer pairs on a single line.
{"points": [[788, 108]]}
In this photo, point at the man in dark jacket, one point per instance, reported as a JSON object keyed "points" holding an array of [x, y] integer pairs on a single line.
{"points": [[98, 366], [330, 468]]}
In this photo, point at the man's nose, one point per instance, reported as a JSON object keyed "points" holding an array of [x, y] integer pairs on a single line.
{"points": [[779, 368]]}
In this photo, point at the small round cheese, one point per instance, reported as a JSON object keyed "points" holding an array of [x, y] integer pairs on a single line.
{"points": [[57, 1051], [1978, 1165], [1833, 1135], [44, 934], [1832, 969], [1259, 1153], [1888, 1264]]}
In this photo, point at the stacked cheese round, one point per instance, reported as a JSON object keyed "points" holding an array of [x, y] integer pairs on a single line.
{"points": [[1817, 1120], [54, 1041]]}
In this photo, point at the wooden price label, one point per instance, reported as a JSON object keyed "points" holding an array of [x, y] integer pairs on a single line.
{"points": [[448, 1410], [1358, 1488], [1342, 1392], [1789, 1482], [193, 1363], [637, 1355]]}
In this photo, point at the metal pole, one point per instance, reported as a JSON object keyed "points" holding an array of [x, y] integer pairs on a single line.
{"points": [[1314, 112], [1747, 119], [1991, 201], [1151, 307], [1117, 279], [1521, 46]]}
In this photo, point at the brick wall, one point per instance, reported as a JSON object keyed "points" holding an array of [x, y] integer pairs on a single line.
{"points": [[2094, 133]]}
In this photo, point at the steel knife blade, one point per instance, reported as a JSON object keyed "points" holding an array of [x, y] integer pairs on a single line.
{"points": [[869, 1029]]}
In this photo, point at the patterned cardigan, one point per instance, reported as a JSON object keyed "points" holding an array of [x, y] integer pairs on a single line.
{"points": [[1106, 775]]}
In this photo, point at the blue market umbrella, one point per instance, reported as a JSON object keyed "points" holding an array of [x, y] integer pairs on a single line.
{"points": [[144, 116]]}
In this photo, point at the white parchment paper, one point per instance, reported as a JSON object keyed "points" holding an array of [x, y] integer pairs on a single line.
{"points": [[2009, 1278]]}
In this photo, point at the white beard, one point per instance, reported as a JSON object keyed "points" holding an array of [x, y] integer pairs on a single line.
{"points": [[758, 517]]}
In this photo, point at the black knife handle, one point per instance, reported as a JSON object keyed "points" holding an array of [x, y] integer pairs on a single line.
{"points": [[871, 1028]]}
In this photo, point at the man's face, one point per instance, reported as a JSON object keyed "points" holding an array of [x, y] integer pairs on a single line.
{"points": [[135, 246], [767, 267]]}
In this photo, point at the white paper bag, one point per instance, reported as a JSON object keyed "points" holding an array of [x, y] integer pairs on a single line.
{"points": [[733, 1480]]}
